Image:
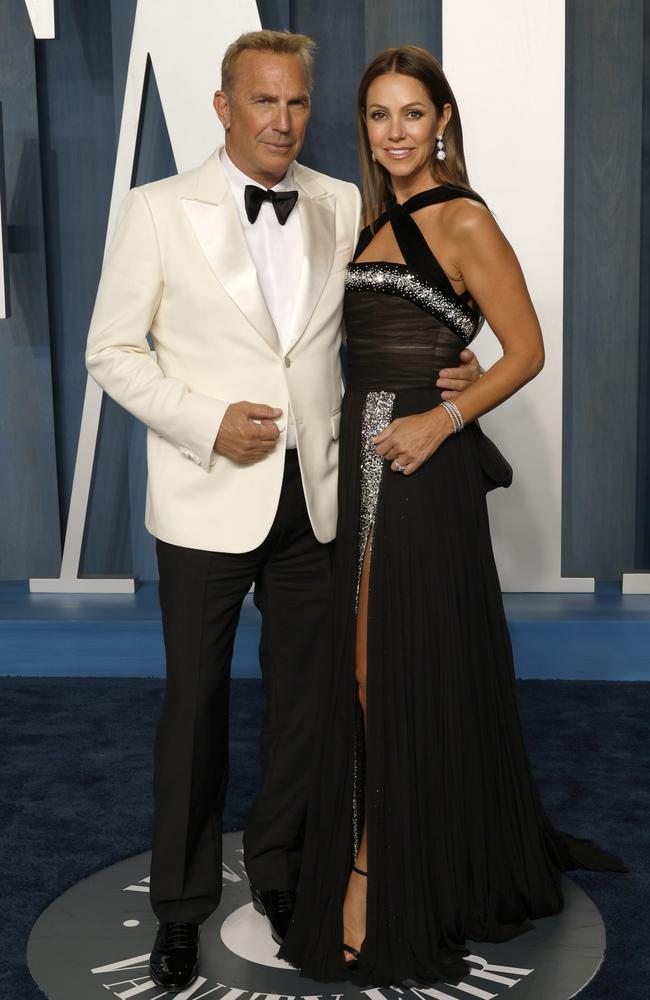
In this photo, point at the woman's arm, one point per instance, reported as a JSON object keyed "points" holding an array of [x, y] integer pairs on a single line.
{"points": [[495, 280]]}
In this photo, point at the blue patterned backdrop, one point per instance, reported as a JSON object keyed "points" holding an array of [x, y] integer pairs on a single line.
{"points": [[61, 103]]}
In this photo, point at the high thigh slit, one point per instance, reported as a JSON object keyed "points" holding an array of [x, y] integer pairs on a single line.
{"points": [[359, 791], [459, 846]]}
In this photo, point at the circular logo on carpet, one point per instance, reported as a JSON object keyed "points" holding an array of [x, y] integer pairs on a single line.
{"points": [[94, 942]]}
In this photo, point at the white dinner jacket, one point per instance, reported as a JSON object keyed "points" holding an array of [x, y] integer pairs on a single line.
{"points": [[178, 267]]}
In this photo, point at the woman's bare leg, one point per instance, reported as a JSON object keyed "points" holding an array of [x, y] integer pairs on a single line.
{"points": [[354, 906]]}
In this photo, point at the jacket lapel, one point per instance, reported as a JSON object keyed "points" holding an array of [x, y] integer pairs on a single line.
{"points": [[317, 219], [212, 213]]}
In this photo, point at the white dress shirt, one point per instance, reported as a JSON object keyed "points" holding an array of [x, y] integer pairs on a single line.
{"points": [[277, 252]]}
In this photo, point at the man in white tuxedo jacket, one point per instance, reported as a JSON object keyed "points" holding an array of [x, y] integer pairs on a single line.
{"points": [[237, 270]]}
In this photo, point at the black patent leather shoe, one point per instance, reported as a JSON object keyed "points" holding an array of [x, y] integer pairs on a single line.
{"points": [[277, 905], [174, 961]]}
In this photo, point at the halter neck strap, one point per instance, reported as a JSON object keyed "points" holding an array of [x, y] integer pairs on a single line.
{"points": [[414, 248]]}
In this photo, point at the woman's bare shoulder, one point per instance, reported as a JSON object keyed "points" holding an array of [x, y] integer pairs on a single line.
{"points": [[471, 226], [461, 218], [465, 215]]}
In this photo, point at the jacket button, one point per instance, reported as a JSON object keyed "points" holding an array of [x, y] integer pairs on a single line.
{"points": [[287, 362]]}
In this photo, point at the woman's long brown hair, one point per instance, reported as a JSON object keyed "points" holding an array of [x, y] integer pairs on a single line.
{"points": [[411, 60]]}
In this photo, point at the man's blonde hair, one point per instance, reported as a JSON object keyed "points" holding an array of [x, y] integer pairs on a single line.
{"points": [[281, 42]]}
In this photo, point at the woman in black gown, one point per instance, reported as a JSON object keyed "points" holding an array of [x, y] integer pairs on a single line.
{"points": [[425, 827]]}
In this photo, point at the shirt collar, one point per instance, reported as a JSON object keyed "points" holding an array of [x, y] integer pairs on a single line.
{"points": [[238, 179]]}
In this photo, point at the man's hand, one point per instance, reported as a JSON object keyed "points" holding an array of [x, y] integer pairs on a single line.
{"points": [[454, 380], [248, 432]]}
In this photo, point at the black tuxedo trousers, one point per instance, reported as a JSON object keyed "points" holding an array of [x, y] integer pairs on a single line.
{"points": [[201, 595]]}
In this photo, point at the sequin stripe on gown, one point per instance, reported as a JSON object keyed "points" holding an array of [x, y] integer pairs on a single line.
{"points": [[459, 846]]}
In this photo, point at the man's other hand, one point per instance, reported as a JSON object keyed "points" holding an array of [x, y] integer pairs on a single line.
{"points": [[454, 380], [248, 432]]}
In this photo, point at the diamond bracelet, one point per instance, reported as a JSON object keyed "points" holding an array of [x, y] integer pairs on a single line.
{"points": [[455, 414]]}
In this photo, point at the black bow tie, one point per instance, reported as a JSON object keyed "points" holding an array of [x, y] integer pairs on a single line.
{"points": [[282, 201]]}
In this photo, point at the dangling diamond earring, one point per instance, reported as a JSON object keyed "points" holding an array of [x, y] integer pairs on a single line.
{"points": [[441, 153], [374, 158]]}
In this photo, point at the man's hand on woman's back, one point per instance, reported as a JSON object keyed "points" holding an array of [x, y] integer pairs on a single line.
{"points": [[454, 380]]}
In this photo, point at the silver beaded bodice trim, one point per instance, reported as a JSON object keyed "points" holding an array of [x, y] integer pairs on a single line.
{"points": [[396, 279]]}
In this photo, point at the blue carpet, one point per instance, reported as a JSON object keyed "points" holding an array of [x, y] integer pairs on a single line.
{"points": [[75, 762], [600, 636]]}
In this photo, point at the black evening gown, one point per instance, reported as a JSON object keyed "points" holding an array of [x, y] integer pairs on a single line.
{"points": [[459, 846]]}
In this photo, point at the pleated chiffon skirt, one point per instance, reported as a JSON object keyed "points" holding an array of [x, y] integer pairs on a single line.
{"points": [[459, 846]]}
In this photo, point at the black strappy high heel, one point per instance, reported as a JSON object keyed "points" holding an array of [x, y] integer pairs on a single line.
{"points": [[352, 963]]}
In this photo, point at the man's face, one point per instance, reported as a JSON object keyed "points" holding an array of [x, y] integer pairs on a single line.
{"points": [[266, 114]]}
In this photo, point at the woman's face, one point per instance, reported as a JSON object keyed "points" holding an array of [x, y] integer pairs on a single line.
{"points": [[402, 123]]}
